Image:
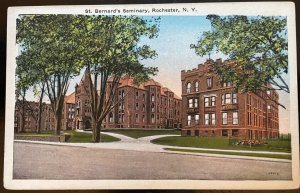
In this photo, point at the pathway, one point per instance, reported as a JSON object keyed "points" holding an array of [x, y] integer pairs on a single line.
{"points": [[144, 144]]}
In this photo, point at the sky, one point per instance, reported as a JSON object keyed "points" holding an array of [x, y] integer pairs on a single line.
{"points": [[174, 54]]}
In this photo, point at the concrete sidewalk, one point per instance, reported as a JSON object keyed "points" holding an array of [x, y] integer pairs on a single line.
{"points": [[144, 144]]}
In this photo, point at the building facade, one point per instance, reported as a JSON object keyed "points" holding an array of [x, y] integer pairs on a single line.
{"points": [[26, 117], [149, 105], [210, 108]]}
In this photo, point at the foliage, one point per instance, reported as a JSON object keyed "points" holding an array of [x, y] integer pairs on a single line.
{"points": [[50, 54], [112, 51], [257, 45]]}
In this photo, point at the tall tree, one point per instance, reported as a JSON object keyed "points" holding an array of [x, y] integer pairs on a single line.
{"points": [[257, 45], [113, 50], [52, 39]]}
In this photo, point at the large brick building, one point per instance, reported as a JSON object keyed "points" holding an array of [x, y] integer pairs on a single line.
{"points": [[149, 105], [26, 118], [210, 108]]}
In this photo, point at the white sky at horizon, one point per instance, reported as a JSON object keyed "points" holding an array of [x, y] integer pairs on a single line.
{"points": [[174, 54]]}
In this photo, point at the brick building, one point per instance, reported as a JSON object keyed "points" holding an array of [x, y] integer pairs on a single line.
{"points": [[149, 105], [29, 110], [210, 108], [26, 117]]}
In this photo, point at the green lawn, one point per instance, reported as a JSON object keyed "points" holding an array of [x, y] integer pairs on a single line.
{"points": [[137, 133], [222, 143], [232, 153], [78, 137]]}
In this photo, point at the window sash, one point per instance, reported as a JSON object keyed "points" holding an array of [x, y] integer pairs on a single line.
{"points": [[224, 118]]}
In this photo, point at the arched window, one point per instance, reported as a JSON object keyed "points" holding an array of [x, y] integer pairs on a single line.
{"points": [[111, 117], [152, 118], [197, 86], [152, 97], [188, 87], [152, 107]]}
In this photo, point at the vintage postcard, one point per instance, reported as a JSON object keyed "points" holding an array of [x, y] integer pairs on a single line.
{"points": [[156, 96]]}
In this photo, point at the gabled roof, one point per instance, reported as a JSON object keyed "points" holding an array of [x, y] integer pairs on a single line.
{"points": [[70, 98]]}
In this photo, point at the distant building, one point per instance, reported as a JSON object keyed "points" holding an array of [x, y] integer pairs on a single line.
{"points": [[26, 117], [210, 108], [149, 105]]}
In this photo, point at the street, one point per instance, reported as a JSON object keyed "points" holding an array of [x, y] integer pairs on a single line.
{"points": [[42, 161]]}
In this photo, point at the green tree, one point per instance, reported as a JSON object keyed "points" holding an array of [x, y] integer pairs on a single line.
{"points": [[49, 42], [112, 51], [257, 45]]}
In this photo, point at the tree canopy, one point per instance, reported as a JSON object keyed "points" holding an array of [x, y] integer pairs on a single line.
{"points": [[56, 48], [257, 46], [112, 50]]}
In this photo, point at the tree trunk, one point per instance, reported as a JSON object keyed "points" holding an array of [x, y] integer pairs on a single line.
{"points": [[98, 135], [39, 118], [94, 129], [58, 117]]}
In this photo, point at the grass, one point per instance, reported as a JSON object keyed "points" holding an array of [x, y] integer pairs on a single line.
{"points": [[137, 133], [278, 156], [78, 137], [222, 143]]}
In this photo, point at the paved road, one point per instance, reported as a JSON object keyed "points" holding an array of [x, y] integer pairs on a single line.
{"points": [[41, 161]]}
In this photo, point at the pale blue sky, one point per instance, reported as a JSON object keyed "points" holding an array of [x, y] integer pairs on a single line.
{"points": [[174, 54]]}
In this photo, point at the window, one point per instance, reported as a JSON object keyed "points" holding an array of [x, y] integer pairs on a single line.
{"points": [[210, 101], [224, 132], [209, 118], [152, 118], [152, 97], [227, 98], [196, 86], [235, 132], [137, 95], [213, 118], [189, 120], [234, 98], [188, 87], [144, 107], [144, 97], [227, 84], [152, 107], [190, 103], [213, 101], [143, 118], [136, 118], [196, 119], [195, 103], [206, 121], [224, 118], [206, 101], [136, 106], [111, 117], [235, 118], [209, 82]]}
